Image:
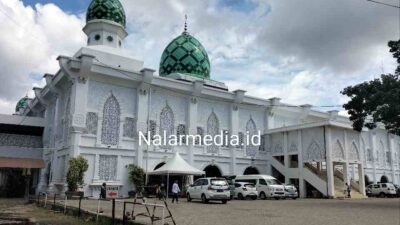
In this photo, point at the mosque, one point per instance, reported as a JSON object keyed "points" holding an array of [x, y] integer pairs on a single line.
{"points": [[100, 99]]}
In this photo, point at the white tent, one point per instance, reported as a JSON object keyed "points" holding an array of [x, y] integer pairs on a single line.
{"points": [[176, 166]]}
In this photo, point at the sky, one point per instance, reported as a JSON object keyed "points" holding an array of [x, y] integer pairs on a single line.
{"points": [[302, 51]]}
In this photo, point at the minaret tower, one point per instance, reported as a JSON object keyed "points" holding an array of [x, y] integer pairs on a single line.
{"points": [[105, 23]]}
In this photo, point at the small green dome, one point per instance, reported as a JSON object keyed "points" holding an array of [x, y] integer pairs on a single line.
{"points": [[185, 55], [22, 104], [108, 10]]}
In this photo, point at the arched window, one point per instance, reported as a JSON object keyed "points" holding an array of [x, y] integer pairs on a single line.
{"points": [[251, 129], [167, 122], [111, 119], [337, 151], [212, 129]]}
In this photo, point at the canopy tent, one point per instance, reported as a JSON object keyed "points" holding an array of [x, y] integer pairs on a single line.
{"points": [[176, 166]]}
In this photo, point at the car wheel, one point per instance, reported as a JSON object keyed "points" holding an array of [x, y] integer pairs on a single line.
{"points": [[294, 198], [276, 198], [189, 199], [224, 201], [231, 197], [382, 195], [253, 197], [203, 198], [263, 196], [240, 196]]}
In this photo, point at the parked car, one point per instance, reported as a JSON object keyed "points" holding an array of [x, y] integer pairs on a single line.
{"points": [[267, 186], [291, 191], [381, 190], [397, 190], [208, 189], [245, 190]]}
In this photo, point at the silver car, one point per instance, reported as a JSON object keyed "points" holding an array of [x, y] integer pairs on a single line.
{"points": [[291, 191]]}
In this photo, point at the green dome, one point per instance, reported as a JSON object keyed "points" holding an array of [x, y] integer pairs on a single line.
{"points": [[185, 55], [108, 10], [22, 104]]}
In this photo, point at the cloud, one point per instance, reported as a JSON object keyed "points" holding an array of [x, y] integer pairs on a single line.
{"points": [[300, 51], [31, 40]]}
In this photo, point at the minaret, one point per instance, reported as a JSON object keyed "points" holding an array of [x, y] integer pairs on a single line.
{"points": [[105, 23]]}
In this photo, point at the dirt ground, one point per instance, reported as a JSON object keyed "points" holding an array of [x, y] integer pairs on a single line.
{"points": [[15, 209]]}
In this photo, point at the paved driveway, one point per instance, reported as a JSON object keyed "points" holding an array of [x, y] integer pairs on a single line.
{"points": [[283, 212]]}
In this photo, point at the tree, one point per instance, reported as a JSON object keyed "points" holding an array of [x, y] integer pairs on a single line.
{"points": [[378, 99], [77, 168], [136, 176]]}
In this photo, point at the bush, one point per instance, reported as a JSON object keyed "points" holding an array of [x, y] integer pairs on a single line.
{"points": [[136, 176], [77, 168]]}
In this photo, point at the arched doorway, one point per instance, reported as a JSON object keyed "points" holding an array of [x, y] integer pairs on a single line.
{"points": [[212, 171], [156, 180], [251, 170], [384, 179], [366, 180]]}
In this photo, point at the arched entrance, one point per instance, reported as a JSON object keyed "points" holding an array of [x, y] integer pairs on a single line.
{"points": [[212, 171], [156, 180], [251, 170], [367, 181], [384, 179]]}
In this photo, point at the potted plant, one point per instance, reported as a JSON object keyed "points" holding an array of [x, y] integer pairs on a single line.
{"points": [[136, 176], [77, 168]]}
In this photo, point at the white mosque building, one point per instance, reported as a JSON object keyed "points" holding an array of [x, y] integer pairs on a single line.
{"points": [[100, 98]]}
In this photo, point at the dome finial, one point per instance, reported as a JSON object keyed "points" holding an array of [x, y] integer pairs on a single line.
{"points": [[185, 27]]}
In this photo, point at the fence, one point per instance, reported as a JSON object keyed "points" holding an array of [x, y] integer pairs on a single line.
{"points": [[105, 211]]}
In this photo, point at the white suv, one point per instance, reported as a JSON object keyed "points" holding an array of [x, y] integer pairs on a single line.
{"points": [[381, 190], [245, 190], [209, 189]]}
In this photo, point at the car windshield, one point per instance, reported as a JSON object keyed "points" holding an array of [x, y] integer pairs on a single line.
{"points": [[218, 182], [273, 182], [249, 185]]}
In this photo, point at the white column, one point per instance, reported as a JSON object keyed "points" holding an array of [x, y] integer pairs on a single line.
{"points": [[96, 168], [142, 123], [346, 159], [374, 161], [302, 185], [391, 153], [234, 130], [285, 155], [192, 126], [329, 164], [79, 92], [361, 179]]}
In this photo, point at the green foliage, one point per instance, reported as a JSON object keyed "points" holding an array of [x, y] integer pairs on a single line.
{"points": [[77, 168], [380, 99], [136, 176], [395, 50]]}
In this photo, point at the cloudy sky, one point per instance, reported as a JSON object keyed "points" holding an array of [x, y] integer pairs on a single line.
{"points": [[303, 51]]}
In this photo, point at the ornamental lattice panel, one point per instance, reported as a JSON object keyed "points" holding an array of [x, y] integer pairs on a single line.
{"points": [[167, 123], [91, 123], [129, 127], [251, 149], [212, 129], [111, 120], [107, 167]]}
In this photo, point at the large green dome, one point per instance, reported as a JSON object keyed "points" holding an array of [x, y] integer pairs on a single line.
{"points": [[108, 10], [22, 104], [185, 55]]}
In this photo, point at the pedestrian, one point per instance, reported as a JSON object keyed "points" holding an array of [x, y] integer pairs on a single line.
{"points": [[175, 191], [348, 189], [162, 191], [103, 191], [158, 192]]}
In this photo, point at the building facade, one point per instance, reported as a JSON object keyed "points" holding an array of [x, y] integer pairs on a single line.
{"points": [[100, 99]]}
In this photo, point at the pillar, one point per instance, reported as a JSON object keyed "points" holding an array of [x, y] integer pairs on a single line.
{"points": [[286, 155], [234, 130], [329, 163], [361, 179], [302, 185]]}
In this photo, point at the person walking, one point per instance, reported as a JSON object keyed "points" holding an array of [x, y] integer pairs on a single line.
{"points": [[162, 191], [103, 191], [175, 191], [348, 189]]}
